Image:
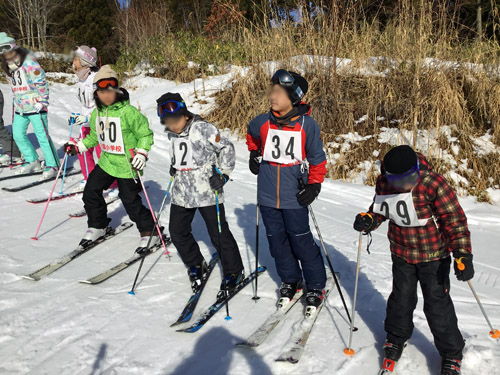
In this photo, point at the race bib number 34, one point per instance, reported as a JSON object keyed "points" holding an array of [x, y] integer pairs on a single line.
{"points": [[283, 147], [111, 139], [182, 153], [399, 208]]}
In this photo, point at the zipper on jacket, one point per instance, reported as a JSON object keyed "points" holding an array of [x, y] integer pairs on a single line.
{"points": [[278, 187]]}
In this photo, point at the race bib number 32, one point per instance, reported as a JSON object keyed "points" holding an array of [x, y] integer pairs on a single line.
{"points": [[283, 147], [182, 153], [111, 139], [399, 208]]}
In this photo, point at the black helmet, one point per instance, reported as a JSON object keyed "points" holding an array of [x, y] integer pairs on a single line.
{"points": [[294, 83]]}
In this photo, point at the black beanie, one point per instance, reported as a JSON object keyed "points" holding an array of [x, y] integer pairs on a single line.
{"points": [[173, 96], [400, 159]]}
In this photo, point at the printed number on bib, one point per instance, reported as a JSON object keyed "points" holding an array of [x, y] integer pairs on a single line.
{"points": [[111, 139], [182, 153], [19, 82], [399, 208], [283, 147]]}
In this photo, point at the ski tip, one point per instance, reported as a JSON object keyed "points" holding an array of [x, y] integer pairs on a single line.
{"points": [[84, 281], [495, 334], [26, 277], [34, 238], [228, 318], [131, 293], [349, 351]]}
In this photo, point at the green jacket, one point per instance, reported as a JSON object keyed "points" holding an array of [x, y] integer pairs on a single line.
{"points": [[135, 131]]}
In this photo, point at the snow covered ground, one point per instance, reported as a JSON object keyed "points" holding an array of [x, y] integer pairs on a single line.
{"points": [[59, 326]]}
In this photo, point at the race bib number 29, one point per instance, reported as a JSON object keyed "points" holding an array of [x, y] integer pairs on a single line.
{"points": [[283, 147], [399, 208], [111, 139]]}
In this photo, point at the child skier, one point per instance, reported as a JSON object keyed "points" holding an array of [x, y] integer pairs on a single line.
{"points": [[85, 67], [286, 137], [117, 127], [9, 147], [201, 161], [426, 224], [31, 99]]}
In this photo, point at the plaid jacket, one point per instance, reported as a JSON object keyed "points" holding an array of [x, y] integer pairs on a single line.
{"points": [[445, 232]]}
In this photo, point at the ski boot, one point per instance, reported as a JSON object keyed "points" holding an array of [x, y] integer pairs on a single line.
{"points": [[287, 292], [48, 173], [314, 299], [231, 281], [196, 275], [392, 355], [143, 247], [450, 366], [93, 234], [32, 167], [5, 160]]}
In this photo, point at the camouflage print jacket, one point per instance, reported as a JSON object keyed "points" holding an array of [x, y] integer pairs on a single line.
{"points": [[193, 152]]}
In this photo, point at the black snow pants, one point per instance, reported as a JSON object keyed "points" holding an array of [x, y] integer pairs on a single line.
{"points": [[434, 278]]}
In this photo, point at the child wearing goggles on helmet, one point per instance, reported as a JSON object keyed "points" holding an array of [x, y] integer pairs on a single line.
{"points": [[285, 146], [426, 224], [31, 99], [201, 160], [117, 127]]}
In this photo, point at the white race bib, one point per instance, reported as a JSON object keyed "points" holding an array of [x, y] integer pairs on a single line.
{"points": [[399, 208], [283, 147], [182, 153], [19, 82], [110, 140]]}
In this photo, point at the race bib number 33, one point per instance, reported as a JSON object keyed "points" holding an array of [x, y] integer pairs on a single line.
{"points": [[283, 147], [111, 139], [399, 208]]}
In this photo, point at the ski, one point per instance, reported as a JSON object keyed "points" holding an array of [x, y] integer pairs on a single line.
{"points": [[217, 305], [11, 177], [35, 183], [10, 166], [123, 265], [188, 310], [54, 266], [294, 348], [54, 197], [261, 333], [82, 213]]}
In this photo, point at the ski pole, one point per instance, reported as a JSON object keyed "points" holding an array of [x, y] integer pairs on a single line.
{"points": [[228, 317], [311, 212], [71, 121], [50, 197], [349, 350], [84, 154], [494, 333], [132, 291], [255, 297], [51, 145], [150, 207]]}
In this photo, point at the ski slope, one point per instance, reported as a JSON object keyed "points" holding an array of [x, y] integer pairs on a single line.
{"points": [[59, 326]]}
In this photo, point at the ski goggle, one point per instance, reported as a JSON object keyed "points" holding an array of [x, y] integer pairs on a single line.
{"points": [[170, 106], [283, 77], [402, 180], [6, 48], [106, 83]]}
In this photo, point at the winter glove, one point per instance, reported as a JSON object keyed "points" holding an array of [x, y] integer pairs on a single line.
{"points": [[78, 119], [464, 269], [38, 107], [218, 180], [140, 159], [72, 147], [172, 171], [308, 194], [254, 162], [365, 222]]}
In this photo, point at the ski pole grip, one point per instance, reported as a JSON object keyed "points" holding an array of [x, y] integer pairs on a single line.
{"points": [[132, 154], [302, 185]]}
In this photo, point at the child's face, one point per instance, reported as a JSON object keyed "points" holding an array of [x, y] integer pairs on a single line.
{"points": [[280, 102], [77, 64], [107, 97], [176, 124]]}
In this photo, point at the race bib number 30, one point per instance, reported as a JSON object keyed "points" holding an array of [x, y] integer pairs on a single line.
{"points": [[283, 147], [111, 139], [182, 153], [399, 208], [19, 82]]}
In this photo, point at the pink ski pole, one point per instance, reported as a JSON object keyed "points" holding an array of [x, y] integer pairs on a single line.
{"points": [[50, 197], [151, 208]]}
